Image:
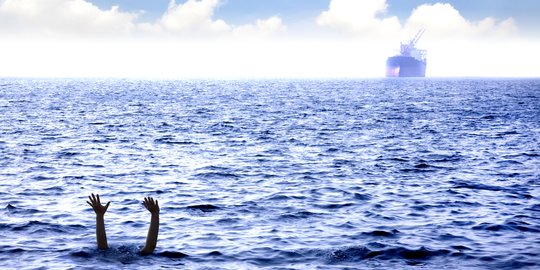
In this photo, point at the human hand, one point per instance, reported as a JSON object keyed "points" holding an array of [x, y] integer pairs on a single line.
{"points": [[96, 204], [151, 205]]}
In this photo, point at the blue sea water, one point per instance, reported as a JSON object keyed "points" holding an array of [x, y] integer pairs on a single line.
{"points": [[274, 174]]}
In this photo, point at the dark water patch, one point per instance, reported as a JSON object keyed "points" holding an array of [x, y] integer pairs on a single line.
{"points": [[535, 208], [462, 223], [333, 150], [40, 168], [273, 258], [73, 178], [172, 141], [95, 166], [505, 133], [343, 162], [298, 215], [381, 233], [12, 251], [375, 215], [215, 253], [509, 163], [282, 197], [424, 207], [398, 159], [466, 204], [173, 254], [452, 237], [17, 210], [82, 254], [38, 227], [334, 206], [229, 221], [518, 263], [279, 197], [362, 197], [507, 226], [357, 254], [422, 166], [513, 191], [479, 186], [204, 207], [126, 255], [488, 117], [67, 154], [98, 140], [54, 190], [216, 175], [461, 248], [42, 178], [412, 254]]}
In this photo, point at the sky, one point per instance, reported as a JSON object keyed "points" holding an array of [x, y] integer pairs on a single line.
{"points": [[186, 39]]}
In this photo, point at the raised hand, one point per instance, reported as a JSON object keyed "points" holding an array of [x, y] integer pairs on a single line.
{"points": [[151, 239], [101, 235], [96, 204], [151, 205]]}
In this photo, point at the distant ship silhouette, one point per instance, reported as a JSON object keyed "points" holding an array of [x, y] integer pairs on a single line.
{"points": [[411, 62]]}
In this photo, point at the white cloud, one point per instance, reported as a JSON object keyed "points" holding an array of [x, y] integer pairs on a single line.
{"points": [[80, 18], [194, 16], [443, 20], [359, 17], [62, 16], [269, 26], [366, 18]]}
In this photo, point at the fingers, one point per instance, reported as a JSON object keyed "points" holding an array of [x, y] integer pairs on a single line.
{"points": [[148, 201], [150, 204], [94, 199], [107, 206]]}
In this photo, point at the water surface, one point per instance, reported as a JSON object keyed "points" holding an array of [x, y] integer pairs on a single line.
{"points": [[306, 174]]}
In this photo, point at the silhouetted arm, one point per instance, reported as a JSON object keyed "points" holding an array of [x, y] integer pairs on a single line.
{"points": [[100, 210], [151, 239]]}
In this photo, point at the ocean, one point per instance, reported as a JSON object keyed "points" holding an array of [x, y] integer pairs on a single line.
{"points": [[273, 174]]}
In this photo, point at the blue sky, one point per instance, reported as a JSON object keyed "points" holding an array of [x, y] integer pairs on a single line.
{"points": [[525, 12]]}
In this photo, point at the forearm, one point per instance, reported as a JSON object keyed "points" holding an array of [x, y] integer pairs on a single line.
{"points": [[101, 236], [151, 238]]}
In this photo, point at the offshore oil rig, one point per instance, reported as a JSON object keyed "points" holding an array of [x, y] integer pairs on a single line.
{"points": [[411, 62]]}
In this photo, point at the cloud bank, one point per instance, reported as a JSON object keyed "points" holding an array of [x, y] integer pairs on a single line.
{"points": [[82, 18], [74, 38], [368, 18], [364, 17], [62, 16]]}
